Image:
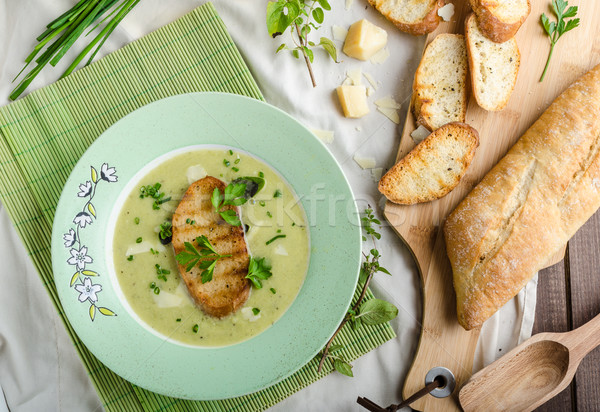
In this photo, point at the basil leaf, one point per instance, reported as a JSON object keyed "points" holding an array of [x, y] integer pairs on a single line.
{"points": [[324, 4], [343, 367], [335, 348], [329, 47], [384, 270], [376, 311], [309, 53], [280, 15], [318, 15], [253, 185]]}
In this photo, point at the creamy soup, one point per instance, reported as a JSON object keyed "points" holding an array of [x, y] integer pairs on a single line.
{"points": [[147, 270]]}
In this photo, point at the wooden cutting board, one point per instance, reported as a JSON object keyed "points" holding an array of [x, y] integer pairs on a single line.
{"points": [[443, 341]]}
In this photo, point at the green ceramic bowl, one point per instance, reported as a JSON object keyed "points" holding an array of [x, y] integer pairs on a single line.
{"points": [[81, 245]]}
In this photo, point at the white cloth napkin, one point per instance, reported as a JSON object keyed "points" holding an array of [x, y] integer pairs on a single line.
{"points": [[39, 368]]}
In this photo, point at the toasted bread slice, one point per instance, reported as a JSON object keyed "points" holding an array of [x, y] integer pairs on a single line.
{"points": [[500, 20], [439, 90], [411, 16], [229, 288], [493, 67], [433, 168]]}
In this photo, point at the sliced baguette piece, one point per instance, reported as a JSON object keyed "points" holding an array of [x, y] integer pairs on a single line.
{"points": [[500, 20], [493, 66], [433, 168], [439, 90], [415, 17]]}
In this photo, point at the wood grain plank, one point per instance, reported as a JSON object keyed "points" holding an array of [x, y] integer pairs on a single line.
{"points": [[552, 314], [584, 258]]}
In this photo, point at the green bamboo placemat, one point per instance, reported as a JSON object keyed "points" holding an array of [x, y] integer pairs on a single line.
{"points": [[44, 134]]}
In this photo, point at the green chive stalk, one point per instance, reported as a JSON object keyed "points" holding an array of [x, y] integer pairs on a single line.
{"points": [[63, 32]]}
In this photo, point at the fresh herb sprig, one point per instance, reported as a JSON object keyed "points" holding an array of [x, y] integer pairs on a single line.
{"points": [[233, 195], [258, 270], [205, 256], [296, 15], [370, 312], [67, 28], [556, 29]]}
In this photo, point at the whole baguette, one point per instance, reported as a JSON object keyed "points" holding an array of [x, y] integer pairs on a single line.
{"points": [[529, 205]]}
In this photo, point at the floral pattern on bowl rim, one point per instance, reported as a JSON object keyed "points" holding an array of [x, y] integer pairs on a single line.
{"points": [[81, 281]]}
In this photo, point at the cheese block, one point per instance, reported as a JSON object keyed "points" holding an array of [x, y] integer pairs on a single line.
{"points": [[353, 100], [364, 40]]}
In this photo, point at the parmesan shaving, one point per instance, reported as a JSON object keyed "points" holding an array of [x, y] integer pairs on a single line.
{"points": [[387, 102], [280, 250], [249, 315], [381, 56], [195, 173], [419, 134], [355, 75], [145, 246], [365, 162], [347, 82], [376, 173], [370, 91], [170, 300], [391, 114], [339, 33], [326, 136], [446, 12], [371, 80], [349, 4]]}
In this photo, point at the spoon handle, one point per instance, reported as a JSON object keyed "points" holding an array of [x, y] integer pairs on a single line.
{"points": [[583, 339]]}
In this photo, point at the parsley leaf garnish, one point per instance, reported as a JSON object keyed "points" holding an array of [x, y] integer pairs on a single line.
{"points": [[556, 29], [258, 270], [205, 256], [233, 195]]}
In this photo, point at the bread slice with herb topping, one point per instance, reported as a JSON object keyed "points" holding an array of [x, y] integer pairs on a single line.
{"points": [[494, 67], [229, 289], [415, 17], [433, 168], [439, 90], [500, 19]]}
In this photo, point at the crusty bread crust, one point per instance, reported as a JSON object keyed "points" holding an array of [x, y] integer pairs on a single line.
{"points": [[229, 289], [423, 99], [428, 23], [445, 173], [529, 205], [475, 68], [493, 27]]}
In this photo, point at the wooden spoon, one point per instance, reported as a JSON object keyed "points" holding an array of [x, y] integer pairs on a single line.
{"points": [[532, 373]]}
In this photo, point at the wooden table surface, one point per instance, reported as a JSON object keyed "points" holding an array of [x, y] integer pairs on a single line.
{"points": [[568, 295]]}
